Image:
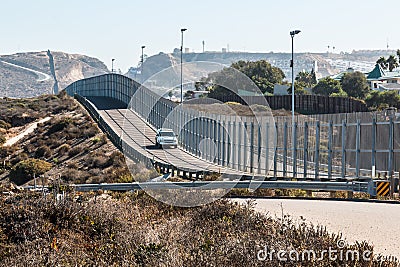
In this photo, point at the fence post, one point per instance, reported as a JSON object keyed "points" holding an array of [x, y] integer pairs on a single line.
{"points": [[223, 143], [305, 155], [373, 148], [285, 149], [294, 145], [239, 145], [245, 141], [234, 147], [358, 133], [259, 145], [330, 133], [251, 147], [317, 140], [276, 150], [344, 132], [390, 156], [266, 148]]}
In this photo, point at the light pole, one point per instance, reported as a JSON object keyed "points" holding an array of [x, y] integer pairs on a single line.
{"points": [[182, 30], [292, 34], [141, 66], [112, 65]]}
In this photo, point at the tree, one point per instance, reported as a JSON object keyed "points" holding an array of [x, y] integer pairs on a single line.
{"points": [[379, 100], [382, 62], [392, 62], [327, 86], [261, 73], [308, 79], [355, 84], [398, 54]]}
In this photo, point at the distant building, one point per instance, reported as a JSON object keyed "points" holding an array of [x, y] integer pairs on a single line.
{"points": [[384, 80], [280, 89], [378, 78]]}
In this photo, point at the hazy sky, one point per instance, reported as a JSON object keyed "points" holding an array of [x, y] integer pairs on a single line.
{"points": [[117, 28]]}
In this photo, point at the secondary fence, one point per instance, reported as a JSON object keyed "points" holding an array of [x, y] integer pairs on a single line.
{"points": [[310, 104], [335, 146]]}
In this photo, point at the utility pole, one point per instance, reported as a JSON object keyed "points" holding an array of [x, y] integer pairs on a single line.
{"points": [[182, 30], [292, 34]]}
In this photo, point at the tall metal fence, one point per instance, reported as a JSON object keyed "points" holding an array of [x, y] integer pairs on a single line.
{"points": [[334, 146]]}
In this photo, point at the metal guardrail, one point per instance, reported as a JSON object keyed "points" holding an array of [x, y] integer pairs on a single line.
{"points": [[365, 187]]}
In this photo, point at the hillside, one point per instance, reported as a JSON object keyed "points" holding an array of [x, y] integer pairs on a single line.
{"points": [[326, 63], [68, 148], [29, 74]]}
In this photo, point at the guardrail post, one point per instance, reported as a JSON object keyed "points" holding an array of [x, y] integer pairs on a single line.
{"points": [[317, 143], [371, 188], [344, 132], [305, 151]]}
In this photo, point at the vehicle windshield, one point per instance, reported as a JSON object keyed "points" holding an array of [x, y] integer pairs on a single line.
{"points": [[167, 134]]}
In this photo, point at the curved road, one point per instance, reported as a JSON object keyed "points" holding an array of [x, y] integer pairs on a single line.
{"points": [[141, 136], [377, 223], [42, 76]]}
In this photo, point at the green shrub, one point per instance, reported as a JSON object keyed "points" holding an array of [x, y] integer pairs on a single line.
{"points": [[75, 151], [5, 125], [25, 170], [64, 149], [59, 125], [43, 152], [2, 139]]}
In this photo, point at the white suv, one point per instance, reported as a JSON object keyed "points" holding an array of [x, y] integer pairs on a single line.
{"points": [[166, 137]]}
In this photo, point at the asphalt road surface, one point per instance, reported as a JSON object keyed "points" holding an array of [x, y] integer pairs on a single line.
{"points": [[377, 223]]}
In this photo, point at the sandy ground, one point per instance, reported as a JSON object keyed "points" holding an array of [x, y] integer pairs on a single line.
{"points": [[377, 223], [27, 131]]}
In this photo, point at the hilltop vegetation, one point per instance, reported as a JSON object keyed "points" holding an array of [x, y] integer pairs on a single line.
{"points": [[68, 148]]}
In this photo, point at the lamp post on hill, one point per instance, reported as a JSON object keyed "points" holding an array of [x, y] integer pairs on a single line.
{"points": [[112, 65], [292, 34], [182, 30], [142, 60]]}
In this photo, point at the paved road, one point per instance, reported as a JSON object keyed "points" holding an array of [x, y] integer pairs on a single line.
{"points": [[141, 136], [377, 223]]}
